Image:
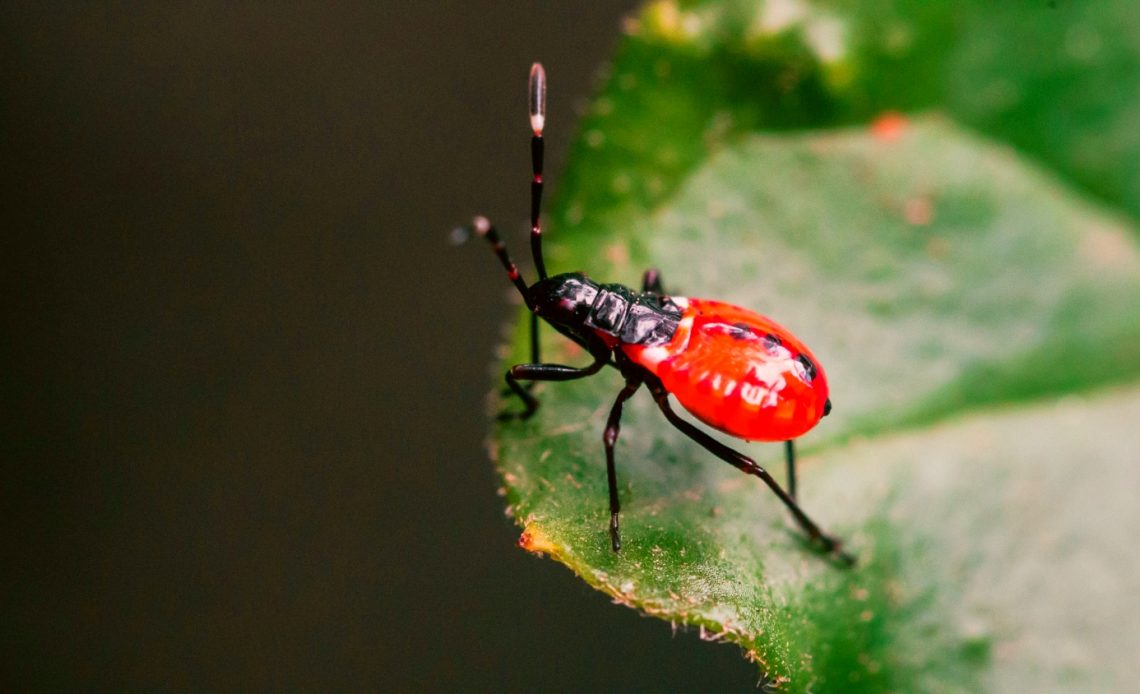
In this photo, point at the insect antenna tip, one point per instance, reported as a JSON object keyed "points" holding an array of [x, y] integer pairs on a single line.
{"points": [[536, 98]]}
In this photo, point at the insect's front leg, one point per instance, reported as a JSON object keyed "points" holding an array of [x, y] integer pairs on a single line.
{"points": [[534, 358], [534, 353], [609, 439], [546, 372]]}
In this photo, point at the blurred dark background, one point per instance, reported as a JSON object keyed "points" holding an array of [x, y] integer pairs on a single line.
{"points": [[244, 372]]}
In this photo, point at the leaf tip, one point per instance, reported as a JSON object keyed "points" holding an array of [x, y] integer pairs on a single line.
{"points": [[534, 539]]}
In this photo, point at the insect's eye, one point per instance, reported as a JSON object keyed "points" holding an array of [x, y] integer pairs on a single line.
{"points": [[808, 367]]}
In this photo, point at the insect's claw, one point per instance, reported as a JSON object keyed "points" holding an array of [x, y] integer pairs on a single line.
{"points": [[833, 548], [506, 392], [615, 533], [507, 416]]}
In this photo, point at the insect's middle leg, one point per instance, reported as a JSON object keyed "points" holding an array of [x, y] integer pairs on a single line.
{"points": [[790, 458], [827, 543], [609, 438], [651, 281]]}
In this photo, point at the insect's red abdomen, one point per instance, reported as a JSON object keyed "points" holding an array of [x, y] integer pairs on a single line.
{"points": [[738, 371]]}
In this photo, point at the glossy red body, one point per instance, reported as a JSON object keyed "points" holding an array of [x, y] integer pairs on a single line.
{"points": [[738, 371]]}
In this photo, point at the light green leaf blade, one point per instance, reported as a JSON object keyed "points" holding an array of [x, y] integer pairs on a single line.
{"points": [[929, 272]]}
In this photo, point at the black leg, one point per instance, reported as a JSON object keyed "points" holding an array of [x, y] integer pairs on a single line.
{"points": [[545, 372], [651, 281], [534, 355], [534, 358], [827, 543], [609, 438], [790, 457]]}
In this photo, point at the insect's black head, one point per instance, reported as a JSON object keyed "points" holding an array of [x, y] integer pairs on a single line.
{"points": [[563, 300]]}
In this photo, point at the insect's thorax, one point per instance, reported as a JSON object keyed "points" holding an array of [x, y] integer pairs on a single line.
{"points": [[616, 314], [633, 318]]}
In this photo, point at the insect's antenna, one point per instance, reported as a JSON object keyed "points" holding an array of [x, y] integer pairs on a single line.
{"points": [[481, 226], [536, 100]]}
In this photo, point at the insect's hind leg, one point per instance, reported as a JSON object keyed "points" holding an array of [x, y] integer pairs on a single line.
{"points": [[651, 281], [824, 541]]}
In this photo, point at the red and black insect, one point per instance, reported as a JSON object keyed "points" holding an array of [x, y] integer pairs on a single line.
{"points": [[733, 369]]}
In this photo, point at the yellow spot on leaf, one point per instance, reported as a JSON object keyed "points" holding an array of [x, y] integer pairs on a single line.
{"points": [[534, 539]]}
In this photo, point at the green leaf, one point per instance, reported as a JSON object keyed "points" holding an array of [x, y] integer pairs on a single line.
{"points": [[931, 272], [965, 303]]}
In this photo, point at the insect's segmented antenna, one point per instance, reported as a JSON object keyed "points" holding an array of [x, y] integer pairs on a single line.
{"points": [[536, 101], [481, 226]]}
